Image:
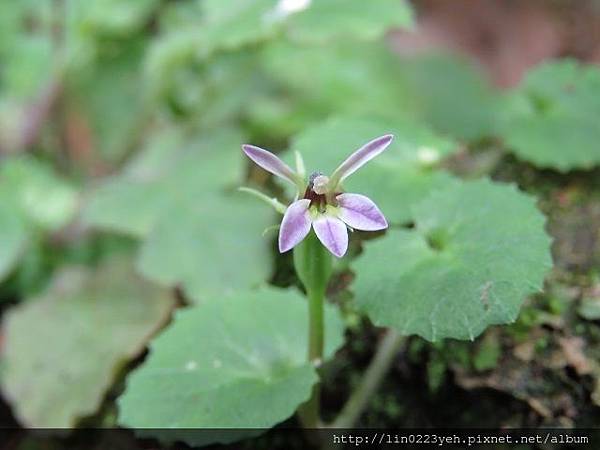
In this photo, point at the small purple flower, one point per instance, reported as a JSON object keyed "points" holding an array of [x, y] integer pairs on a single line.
{"points": [[324, 206]]}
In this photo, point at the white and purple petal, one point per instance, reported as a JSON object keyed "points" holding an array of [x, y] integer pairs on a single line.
{"points": [[359, 212], [332, 233], [295, 225], [270, 163], [360, 157]]}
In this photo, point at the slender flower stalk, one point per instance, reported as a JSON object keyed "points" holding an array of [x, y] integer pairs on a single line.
{"points": [[324, 207], [313, 266]]}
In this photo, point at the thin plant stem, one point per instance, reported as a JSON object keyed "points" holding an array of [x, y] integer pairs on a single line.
{"points": [[374, 375], [316, 327], [313, 266], [310, 412]]}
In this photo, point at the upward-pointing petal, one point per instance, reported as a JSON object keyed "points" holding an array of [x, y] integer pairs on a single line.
{"points": [[295, 225], [332, 233], [359, 158], [270, 163]]}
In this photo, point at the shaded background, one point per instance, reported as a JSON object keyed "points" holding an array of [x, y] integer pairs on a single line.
{"points": [[99, 100]]}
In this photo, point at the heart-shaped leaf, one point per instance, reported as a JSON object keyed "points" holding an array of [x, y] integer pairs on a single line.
{"points": [[477, 250], [234, 363]]}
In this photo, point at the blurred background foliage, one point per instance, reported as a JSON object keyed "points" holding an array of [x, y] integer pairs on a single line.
{"points": [[120, 127]]}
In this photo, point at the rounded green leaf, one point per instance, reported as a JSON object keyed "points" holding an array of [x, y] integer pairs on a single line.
{"points": [[126, 206], [395, 180], [196, 236], [239, 363], [553, 116], [63, 349], [212, 247], [477, 250], [173, 168]]}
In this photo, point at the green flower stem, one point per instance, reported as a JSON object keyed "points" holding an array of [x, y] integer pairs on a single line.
{"points": [[379, 367], [313, 266], [316, 338]]}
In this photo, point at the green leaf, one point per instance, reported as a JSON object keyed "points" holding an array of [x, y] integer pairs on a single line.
{"points": [[25, 48], [26, 66], [240, 363], [212, 247], [178, 15], [553, 118], [355, 19], [105, 96], [170, 61], [32, 199], [94, 28], [63, 349], [368, 77], [344, 77], [26, 63], [173, 167], [191, 80], [395, 180], [111, 206], [42, 198], [477, 250], [173, 196], [13, 239], [230, 24], [452, 95], [109, 17]]}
